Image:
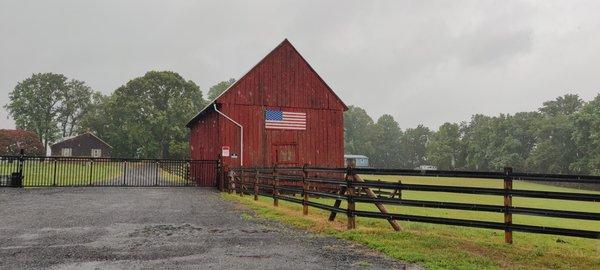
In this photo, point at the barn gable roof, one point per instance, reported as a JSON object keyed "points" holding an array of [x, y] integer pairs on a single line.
{"points": [[65, 139], [284, 43]]}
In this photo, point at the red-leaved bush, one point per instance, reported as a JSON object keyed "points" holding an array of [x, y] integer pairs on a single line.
{"points": [[13, 140]]}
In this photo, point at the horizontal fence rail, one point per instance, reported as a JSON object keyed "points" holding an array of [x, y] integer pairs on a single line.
{"points": [[40, 171], [299, 184]]}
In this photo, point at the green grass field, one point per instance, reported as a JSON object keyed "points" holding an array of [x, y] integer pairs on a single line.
{"points": [[66, 174], [453, 247]]}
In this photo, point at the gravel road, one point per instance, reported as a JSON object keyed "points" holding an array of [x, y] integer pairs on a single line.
{"points": [[158, 228]]}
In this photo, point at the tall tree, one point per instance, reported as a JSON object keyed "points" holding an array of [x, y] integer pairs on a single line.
{"points": [[219, 88], [586, 136], [35, 104], [358, 132], [146, 117], [387, 147], [444, 147], [75, 103], [414, 142], [565, 105], [555, 149]]}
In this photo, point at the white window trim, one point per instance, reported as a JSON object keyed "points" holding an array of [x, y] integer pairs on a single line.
{"points": [[96, 150]]}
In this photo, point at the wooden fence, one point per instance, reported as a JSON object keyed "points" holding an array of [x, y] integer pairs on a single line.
{"points": [[347, 184]]}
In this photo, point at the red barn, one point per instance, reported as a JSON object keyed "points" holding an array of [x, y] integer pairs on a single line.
{"points": [[288, 114]]}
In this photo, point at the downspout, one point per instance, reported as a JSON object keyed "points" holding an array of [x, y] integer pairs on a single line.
{"points": [[241, 134]]}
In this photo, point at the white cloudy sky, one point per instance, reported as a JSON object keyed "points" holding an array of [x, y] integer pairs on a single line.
{"points": [[423, 62]]}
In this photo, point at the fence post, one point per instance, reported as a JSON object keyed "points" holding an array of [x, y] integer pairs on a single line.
{"points": [[256, 185], [275, 184], [304, 189], [400, 190], [91, 171], [230, 181], [124, 172], [350, 198], [158, 173], [54, 174], [508, 205], [241, 185]]}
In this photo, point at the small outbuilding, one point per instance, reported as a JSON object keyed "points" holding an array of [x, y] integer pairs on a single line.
{"points": [[83, 145], [357, 161], [279, 113]]}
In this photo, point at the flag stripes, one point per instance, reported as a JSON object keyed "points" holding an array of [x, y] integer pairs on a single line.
{"points": [[275, 119]]}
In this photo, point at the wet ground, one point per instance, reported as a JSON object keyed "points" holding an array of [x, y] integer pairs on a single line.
{"points": [[158, 228]]}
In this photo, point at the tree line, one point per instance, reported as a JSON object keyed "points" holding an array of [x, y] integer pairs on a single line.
{"points": [[145, 117], [562, 136]]}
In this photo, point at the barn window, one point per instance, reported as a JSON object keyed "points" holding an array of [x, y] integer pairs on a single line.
{"points": [[66, 152], [286, 154], [96, 152]]}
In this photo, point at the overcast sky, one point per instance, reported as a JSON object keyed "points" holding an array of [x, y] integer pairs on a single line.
{"points": [[424, 62]]}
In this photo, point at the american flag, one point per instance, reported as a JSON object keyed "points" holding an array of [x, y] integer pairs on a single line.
{"points": [[285, 120]]}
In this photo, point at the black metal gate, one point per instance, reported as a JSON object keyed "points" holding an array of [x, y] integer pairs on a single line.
{"points": [[28, 171]]}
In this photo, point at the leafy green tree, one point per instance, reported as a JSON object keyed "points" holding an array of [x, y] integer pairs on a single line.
{"points": [[586, 136], [565, 105], [414, 142], [97, 117], [75, 103], [555, 149], [146, 117], [50, 105], [35, 104], [387, 147], [219, 88], [523, 129], [359, 131], [444, 147]]}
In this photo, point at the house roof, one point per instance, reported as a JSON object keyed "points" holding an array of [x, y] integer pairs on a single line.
{"points": [[64, 139], [284, 42], [16, 133]]}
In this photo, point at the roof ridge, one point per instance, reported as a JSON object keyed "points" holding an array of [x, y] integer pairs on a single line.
{"points": [[68, 138], [285, 41]]}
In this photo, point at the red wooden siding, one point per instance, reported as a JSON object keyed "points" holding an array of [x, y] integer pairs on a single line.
{"points": [[204, 138], [283, 80]]}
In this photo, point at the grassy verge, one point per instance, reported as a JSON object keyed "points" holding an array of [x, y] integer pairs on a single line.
{"points": [[453, 247]]}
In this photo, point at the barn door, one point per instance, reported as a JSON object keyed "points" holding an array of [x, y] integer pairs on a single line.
{"points": [[285, 155]]}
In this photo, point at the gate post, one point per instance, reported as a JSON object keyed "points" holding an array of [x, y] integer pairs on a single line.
{"points": [[508, 205], [220, 178], [17, 178]]}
